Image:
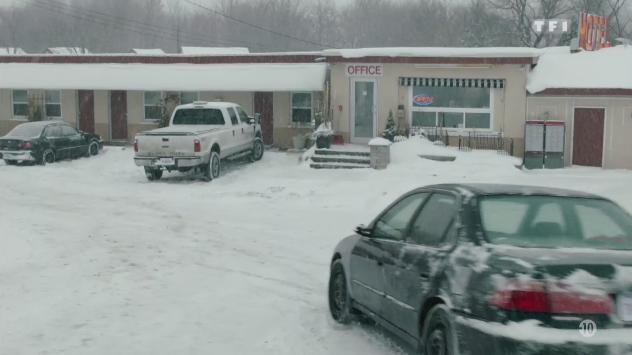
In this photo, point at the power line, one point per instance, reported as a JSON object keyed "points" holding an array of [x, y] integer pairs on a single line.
{"points": [[281, 34], [109, 20]]}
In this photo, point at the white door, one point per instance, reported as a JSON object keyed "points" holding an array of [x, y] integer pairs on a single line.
{"points": [[363, 110]]}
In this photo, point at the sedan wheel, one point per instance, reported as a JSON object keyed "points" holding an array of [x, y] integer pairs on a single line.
{"points": [[93, 148], [438, 335], [339, 300], [48, 157]]}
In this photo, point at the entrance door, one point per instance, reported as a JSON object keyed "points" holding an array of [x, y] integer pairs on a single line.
{"points": [[363, 104], [86, 110], [588, 132], [118, 114], [265, 107]]}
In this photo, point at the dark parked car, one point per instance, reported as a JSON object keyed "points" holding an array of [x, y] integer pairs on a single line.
{"points": [[457, 269], [47, 141]]}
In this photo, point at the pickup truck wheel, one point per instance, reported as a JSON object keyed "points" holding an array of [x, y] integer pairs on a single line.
{"points": [[153, 174], [257, 150], [214, 167]]}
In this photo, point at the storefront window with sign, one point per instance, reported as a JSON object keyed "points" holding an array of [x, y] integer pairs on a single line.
{"points": [[451, 107]]}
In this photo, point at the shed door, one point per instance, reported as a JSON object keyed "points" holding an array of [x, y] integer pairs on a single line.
{"points": [[588, 132], [264, 106], [118, 114], [86, 110]]}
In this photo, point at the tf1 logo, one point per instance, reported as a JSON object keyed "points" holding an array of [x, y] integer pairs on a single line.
{"points": [[551, 26]]}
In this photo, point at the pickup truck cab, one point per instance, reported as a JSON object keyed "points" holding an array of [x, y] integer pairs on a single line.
{"points": [[199, 136]]}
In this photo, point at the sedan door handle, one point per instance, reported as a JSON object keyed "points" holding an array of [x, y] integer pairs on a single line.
{"points": [[424, 275]]}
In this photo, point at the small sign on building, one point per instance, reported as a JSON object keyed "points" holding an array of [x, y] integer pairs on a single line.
{"points": [[364, 70]]}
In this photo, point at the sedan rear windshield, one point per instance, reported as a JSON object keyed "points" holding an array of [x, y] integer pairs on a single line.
{"points": [[198, 116], [25, 131], [555, 222]]}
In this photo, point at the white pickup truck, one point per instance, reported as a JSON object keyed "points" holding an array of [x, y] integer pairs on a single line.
{"points": [[199, 136]]}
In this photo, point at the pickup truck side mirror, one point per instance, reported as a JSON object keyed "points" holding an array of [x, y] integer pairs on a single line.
{"points": [[364, 231]]}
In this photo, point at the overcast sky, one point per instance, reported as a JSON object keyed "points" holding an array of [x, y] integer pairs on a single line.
{"points": [[9, 2]]}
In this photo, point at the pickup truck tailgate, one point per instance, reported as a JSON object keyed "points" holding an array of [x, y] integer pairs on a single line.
{"points": [[168, 142], [165, 145]]}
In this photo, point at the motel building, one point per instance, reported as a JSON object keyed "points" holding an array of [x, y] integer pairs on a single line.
{"points": [[590, 94], [119, 95], [460, 91]]}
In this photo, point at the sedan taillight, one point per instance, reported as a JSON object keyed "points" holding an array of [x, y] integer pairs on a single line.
{"points": [[197, 146], [26, 145], [136, 145], [555, 298]]}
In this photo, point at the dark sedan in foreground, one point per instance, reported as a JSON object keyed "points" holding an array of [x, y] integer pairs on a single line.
{"points": [[492, 269], [44, 142]]}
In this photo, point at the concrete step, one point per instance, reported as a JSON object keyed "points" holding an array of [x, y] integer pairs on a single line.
{"points": [[338, 166], [341, 159], [341, 152]]}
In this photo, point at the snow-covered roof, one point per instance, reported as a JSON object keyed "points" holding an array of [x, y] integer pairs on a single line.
{"points": [[177, 77], [67, 50], [607, 68], [148, 51], [11, 51], [481, 52], [214, 50]]}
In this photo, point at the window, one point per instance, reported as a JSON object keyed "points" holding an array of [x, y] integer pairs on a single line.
{"points": [[233, 116], [20, 103], [53, 132], [302, 107], [451, 107], [435, 220], [555, 222], [393, 223], [52, 102], [243, 116], [198, 116], [68, 131], [153, 105], [188, 97]]}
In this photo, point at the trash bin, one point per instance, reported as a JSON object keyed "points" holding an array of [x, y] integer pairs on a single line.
{"points": [[534, 145], [380, 153], [554, 138]]}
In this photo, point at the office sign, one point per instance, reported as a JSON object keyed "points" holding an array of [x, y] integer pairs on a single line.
{"points": [[364, 70]]}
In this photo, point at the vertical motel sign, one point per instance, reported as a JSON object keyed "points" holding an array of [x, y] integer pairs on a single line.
{"points": [[593, 32]]}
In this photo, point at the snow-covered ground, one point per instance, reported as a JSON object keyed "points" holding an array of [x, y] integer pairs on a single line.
{"points": [[96, 260]]}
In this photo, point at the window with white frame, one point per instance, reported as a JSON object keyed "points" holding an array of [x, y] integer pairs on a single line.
{"points": [[20, 103], [452, 107], [52, 103], [153, 105], [302, 108], [188, 97]]}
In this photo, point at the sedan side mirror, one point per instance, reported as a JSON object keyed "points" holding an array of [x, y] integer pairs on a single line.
{"points": [[364, 231]]}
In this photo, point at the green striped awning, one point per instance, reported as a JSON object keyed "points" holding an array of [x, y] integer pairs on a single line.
{"points": [[451, 82]]}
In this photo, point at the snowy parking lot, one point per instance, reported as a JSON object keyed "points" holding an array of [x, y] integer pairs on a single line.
{"points": [[97, 260]]}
